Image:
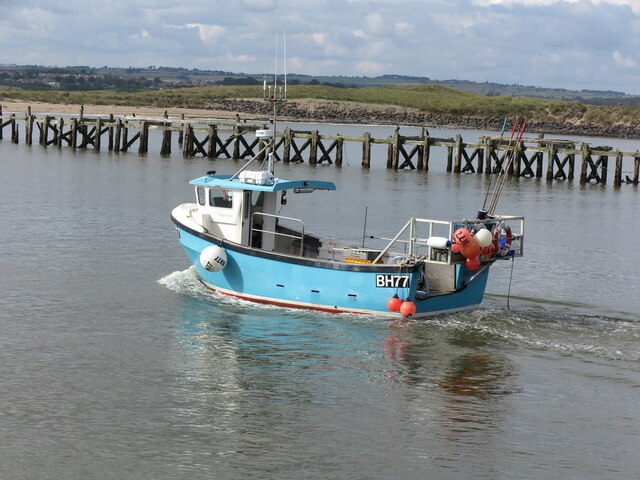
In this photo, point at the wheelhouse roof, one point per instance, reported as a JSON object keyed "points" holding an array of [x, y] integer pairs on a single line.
{"points": [[224, 181]]}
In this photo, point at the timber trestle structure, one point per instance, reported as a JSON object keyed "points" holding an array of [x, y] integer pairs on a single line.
{"points": [[552, 159]]}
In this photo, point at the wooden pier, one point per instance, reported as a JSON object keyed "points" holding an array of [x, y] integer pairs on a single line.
{"points": [[552, 159]]}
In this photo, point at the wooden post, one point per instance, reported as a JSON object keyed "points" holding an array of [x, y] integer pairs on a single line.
{"points": [[143, 147], [60, 130], [339, 146], [211, 141], [636, 169], [117, 141], [604, 162], [187, 141], [449, 158], [313, 148], [15, 134], [366, 150], [488, 151], [395, 149], [181, 134], [517, 160], [73, 132], [1, 122], [458, 157], [125, 137], [288, 138], [551, 155], [97, 140], [110, 130], [586, 157], [539, 162], [28, 125], [44, 134], [572, 165], [423, 162], [236, 142], [617, 176], [165, 149]]}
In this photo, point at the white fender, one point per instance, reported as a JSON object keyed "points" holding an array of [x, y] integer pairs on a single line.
{"points": [[213, 258]]}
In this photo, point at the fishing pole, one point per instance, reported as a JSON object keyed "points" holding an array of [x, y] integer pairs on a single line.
{"points": [[503, 179], [493, 195], [482, 213]]}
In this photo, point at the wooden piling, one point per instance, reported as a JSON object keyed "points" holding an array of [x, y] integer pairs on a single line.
{"points": [[458, 154], [366, 150], [28, 120], [15, 133], [59, 133], [286, 151], [313, 153], [487, 155], [617, 175], [97, 142], [118, 137], [143, 146], [423, 162], [110, 130], [339, 147], [586, 158]]}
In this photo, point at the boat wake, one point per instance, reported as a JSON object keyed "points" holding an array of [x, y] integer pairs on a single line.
{"points": [[537, 326]]}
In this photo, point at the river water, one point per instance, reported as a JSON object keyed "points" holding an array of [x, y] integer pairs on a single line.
{"points": [[115, 362]]}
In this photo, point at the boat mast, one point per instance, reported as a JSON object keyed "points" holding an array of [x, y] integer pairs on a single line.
{"points": [[279, 94]]}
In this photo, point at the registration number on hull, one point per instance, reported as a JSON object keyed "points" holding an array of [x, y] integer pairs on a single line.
{"points": [[392, 281]]}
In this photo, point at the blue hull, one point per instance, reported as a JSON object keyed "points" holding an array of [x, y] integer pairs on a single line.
{"points": [[260, 276]]}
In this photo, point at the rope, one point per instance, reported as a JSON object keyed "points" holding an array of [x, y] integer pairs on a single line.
{"points": [[509, 290]]}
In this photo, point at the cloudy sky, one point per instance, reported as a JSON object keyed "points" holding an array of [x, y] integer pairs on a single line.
{"points": [[576, 44]]}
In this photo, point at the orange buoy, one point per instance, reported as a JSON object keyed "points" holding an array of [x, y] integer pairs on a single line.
{"points": [[471, 248], [394, 303], [455, 248], [462, 236], [408, 308], [473, 263]]}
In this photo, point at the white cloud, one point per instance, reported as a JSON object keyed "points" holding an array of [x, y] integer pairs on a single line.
{"points": [[209, 34], [634, 5], [623, 61]]}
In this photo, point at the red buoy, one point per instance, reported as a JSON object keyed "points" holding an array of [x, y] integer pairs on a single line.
{"points": [[461, 236], [455, 248], [408, 308], [489, 250], [394, 303], [471, 249], [473, 263]]}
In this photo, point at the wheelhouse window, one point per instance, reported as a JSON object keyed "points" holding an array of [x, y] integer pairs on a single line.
{"points": [[201, 195], [220, 198]]}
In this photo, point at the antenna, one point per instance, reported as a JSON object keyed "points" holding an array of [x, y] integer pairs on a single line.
{"points": [[276, 95], [284, 47]]}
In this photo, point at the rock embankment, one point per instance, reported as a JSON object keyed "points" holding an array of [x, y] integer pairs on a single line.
{"points": [[358, 113]]}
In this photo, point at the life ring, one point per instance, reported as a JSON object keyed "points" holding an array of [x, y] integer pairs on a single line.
{"points": [[498, 232]]}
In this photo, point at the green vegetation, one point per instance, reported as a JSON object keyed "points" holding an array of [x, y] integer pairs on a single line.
{"points": [[434, 99]]}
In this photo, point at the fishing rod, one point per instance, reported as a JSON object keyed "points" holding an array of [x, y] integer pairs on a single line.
{"points": [[503, 179], [482, 213]]}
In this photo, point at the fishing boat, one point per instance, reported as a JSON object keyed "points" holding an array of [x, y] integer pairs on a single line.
{"points": [[241, 246]]}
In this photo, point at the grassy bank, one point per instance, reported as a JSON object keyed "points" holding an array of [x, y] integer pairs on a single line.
{"points": [[433, 99]]}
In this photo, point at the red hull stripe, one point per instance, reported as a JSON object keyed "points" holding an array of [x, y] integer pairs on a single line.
{"points": [[286, 304]]}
